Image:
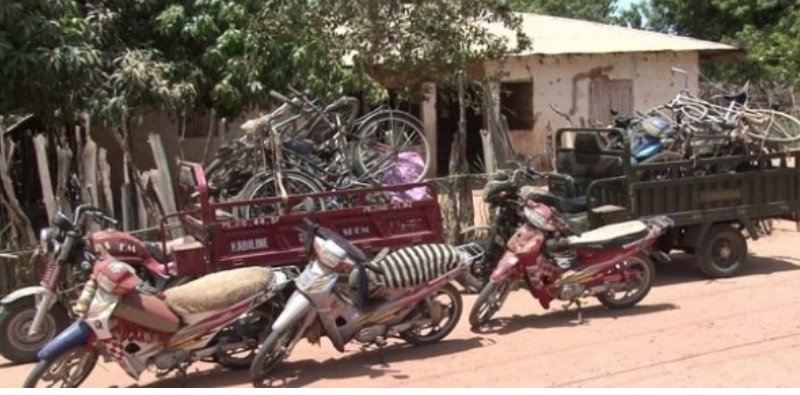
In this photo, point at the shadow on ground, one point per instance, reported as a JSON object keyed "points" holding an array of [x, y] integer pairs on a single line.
{"points": [[682, 269], [307, 371], [556, 317]]}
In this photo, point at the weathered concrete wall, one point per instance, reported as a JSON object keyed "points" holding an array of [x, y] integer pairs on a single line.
{"points": [[563, 81]]}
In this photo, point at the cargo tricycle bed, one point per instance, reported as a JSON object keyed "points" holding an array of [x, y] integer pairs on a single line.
{"points": [[229, 234]]}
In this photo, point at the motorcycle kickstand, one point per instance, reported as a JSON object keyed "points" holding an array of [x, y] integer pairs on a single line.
{"points": [[182, 368], [579, 305], [380, 343]]}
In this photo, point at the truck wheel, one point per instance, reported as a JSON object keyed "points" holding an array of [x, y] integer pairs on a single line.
{"points": [[723, 252], [15, 319]]}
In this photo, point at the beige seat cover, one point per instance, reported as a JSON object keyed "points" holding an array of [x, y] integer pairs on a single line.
{"points": [[609, 232], [218, 290]]}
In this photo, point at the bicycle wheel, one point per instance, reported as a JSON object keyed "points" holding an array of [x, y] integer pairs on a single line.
{"points": [[694, 112], [392, 148], [264, 186], [773, 126]]}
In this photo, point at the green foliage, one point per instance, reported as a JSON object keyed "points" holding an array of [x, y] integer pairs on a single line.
{"points": [[590, 10], [48, 56], [64, 58], [767, 29]]}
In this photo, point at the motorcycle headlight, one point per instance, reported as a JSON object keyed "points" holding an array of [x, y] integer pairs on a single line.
{"points": [[330, 254], [47, 240], [538, 220]]}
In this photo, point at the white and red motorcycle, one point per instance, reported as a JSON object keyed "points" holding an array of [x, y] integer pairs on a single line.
{"points": [[223, 317]]}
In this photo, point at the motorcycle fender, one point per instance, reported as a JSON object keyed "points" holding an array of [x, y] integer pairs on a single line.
{"points": [[505, 266], [76, 334], [37, 292], [297, 307]]}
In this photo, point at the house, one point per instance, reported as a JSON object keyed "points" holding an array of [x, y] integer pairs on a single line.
{"points": [[581, 68]]}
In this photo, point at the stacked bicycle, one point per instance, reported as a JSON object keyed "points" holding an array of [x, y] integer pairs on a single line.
{"points": [[689, 128], [305, 146]]}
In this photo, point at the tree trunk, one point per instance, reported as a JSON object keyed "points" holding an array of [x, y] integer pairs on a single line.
{"points": [[212, 127], [105, 181], [122, 142], [141, 212], [15, 213], [64, 154], [458, 167]]}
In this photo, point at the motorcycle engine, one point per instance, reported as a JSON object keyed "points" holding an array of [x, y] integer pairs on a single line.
{"points": [[571, 291], [170, 359]]}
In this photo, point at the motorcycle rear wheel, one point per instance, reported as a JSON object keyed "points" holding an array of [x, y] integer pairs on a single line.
{"points": [[258, 325], [642, 284], [448, 321], [489, 303]]}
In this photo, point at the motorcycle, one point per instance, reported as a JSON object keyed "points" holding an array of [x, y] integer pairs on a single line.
{"points": [[503, 195], [30, 317], [219, 317], [556, 261], [343, 295]]}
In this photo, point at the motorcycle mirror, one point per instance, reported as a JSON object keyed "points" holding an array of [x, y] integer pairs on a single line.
{"points": [[62, 222]]}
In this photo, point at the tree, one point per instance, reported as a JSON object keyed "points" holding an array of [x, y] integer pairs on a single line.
{"points": [[590, 10], [767, 30], [101, 57], [50, 64]]}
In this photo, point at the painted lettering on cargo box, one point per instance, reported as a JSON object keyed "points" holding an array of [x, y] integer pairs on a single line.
{"points": [[354, 231], [386, 207], [408, 225], [248, 245], [720, 195]]}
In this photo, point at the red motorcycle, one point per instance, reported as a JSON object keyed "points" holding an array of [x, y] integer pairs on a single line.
{"points": [[555, 261], [32, 316]]}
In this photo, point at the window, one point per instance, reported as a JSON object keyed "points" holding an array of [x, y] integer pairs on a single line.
{"points": [[606, 95], [516, 104]]}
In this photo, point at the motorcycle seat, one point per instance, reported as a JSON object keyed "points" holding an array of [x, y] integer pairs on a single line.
{"points": [[218, 291], [410, 267], [578, 222], [568, 205], [610, 236]]}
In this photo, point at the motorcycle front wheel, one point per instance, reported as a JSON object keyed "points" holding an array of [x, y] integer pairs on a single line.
{"points": [[274, 350], [15, 319], [489, 302], [67, 370]]}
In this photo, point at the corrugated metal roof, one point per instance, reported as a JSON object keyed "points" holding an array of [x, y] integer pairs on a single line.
{"points": [[554, 36]]}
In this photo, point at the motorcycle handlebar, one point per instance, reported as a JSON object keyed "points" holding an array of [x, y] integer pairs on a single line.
{"points": [[95, 213]]}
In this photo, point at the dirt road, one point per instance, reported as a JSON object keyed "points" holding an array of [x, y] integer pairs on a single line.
{"points": [[689, 332]]}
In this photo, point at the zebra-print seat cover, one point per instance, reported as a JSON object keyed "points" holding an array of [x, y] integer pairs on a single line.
{"points": [[411, 266]]}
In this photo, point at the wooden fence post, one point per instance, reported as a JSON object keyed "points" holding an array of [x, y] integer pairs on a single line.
{"points": [[40, 145], [163, 183]]}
